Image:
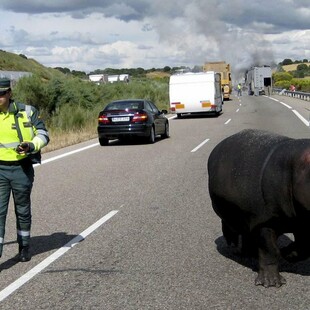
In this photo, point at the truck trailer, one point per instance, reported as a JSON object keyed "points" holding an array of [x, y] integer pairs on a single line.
{"points": [[224, 69], [259, 80], [195, 93]]}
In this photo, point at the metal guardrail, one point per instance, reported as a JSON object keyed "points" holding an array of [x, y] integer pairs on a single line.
{"points": [[294, 94]]}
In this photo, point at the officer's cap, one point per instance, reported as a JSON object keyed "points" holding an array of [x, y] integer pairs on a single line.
{"points": [[5, 84]]}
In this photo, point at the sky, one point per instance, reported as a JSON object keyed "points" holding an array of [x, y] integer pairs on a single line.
{"points": [[86, 35]]}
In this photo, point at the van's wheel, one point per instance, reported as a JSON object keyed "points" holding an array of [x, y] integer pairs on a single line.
{"points": [[103, 141]]}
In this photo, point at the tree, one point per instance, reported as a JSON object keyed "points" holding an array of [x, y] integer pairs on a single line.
{"points": [[80, 74], [167, 69], [302, 67], [197, 69], [281, 76], [287, 61], [299, 74], [63, 70]]}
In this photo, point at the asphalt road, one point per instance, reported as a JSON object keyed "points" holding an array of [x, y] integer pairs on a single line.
{"points": [[130, 226]]}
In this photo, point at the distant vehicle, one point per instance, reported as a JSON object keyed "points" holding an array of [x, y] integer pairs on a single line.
{"points": [[195, 93], [224, 69], [124, 78], [258, 80], [132, 118], [99, 78], [113, 78]]}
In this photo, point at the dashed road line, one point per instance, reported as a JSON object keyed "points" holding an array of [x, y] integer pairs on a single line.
{"points": [[50, 259], [199, 146]]}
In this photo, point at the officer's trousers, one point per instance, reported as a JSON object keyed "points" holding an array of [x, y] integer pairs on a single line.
{"points": [[17, 180]]}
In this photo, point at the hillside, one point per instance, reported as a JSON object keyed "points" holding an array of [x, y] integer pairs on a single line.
{"points": [[13, 62], [157, 74], [293, 67]]}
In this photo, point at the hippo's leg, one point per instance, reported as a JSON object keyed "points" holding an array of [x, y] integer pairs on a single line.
{"points": [[298, 250], [249, 246], [230, 235], [268, 259]]}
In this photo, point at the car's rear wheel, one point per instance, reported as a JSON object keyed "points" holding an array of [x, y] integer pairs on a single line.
{"points": [[166, 134], [103, 141], [151, 137]]}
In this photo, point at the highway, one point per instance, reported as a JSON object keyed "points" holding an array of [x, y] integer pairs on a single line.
{"points": [[130, 226]]}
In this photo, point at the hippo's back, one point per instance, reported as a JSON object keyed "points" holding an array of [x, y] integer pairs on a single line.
{"points": [[236, 164]]}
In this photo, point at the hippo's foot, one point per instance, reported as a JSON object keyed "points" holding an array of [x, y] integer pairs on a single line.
{"points": [[292, 253], [269, 277]]}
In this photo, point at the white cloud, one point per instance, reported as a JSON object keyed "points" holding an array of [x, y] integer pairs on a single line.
{"points": [[88, 35]]}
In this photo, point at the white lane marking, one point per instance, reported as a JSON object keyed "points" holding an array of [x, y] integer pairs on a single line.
{"points": [[199, 146], [307, 123], [274, 99], [301, 118], [49, 260], [171, 117], [227, 121], [286, 105], [45, 161]]}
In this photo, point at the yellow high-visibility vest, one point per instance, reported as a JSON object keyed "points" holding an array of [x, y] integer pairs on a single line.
{"points": [[9, 139]]}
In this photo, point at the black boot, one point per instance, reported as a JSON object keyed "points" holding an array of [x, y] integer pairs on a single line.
{"points": [[24, 255]]}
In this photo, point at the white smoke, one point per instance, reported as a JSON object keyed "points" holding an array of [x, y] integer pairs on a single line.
{"points": [[201, 32]]}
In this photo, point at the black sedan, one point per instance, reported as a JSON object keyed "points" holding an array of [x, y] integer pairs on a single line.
{"points": [[132, 117]]}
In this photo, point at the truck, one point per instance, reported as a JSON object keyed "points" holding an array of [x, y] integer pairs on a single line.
{"points": [[259, 80], [98, 78], [195, 93], [224, 69]]}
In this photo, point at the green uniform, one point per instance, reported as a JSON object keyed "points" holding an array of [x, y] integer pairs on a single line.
{"points": [[16, 170]]}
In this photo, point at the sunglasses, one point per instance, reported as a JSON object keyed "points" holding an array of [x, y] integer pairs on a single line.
{"points": [[3, 92]]}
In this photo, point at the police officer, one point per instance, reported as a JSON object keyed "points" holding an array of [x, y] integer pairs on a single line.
{"points": [[239, 90], [22, 133]]}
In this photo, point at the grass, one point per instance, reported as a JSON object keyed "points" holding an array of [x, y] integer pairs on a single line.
{"points": [[293, 67], [60, 138], [13, 62]]}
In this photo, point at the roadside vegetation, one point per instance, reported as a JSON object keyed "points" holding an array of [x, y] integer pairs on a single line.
{"points": [[293, 73], [69, 103], [70, 106]]}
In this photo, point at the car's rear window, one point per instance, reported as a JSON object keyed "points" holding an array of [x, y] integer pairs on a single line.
{"points": [[124, 105]]}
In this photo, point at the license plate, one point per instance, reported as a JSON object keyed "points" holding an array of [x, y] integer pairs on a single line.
{"points": [[120, 119]]}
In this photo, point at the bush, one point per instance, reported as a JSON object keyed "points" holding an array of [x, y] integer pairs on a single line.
{"points": [[31, 90], [281, 76], [71, 118], [154, 90], [283, 84], [302, 85], [70, 104]]}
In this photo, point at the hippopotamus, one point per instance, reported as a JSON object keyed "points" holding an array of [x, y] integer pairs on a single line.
{"points": [[259, 185]]}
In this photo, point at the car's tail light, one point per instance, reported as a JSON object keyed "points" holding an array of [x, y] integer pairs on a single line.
{"points": [[139, 117], [103, 119]]}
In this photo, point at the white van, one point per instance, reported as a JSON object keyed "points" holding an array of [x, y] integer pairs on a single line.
{"points": [[196, 93]]}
